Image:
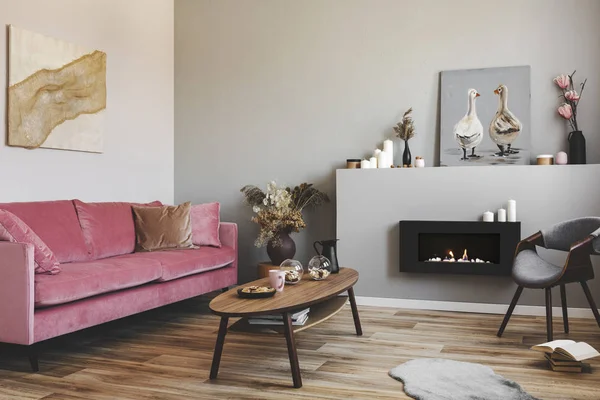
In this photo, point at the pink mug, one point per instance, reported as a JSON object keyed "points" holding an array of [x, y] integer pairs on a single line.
{"points": [[277, 279]]}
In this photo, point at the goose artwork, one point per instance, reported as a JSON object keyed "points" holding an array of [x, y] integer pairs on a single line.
{"points": [[468, 132], [505, 127]]}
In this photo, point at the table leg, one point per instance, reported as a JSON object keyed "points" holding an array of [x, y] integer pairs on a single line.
{"points": [[292, 353], [214, 370], [354, 311]]}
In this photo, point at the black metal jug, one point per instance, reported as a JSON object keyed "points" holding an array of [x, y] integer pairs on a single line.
{"points": [[329, 251]]}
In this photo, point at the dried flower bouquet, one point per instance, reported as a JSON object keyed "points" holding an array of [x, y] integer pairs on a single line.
{"points": [[279, 209]]}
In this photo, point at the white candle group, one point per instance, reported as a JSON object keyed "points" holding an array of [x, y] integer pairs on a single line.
{"points": [[512, 211], [504, 214], [488, 216], [501, 215]]}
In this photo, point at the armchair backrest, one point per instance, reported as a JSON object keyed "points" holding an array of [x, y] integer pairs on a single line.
{"points": [[564, 234]]}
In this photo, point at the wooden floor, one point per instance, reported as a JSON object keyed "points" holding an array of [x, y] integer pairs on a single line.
{"points": [[166, 354]]}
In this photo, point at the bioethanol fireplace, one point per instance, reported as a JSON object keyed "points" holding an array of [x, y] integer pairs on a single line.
{"points": [[458, 247]]}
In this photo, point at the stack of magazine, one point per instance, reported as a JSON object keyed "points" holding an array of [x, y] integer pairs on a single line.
{"points": [[567, 355], [298, 318]]}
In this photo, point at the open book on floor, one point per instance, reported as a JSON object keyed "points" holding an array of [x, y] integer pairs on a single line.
{"points": [[567, 350]]}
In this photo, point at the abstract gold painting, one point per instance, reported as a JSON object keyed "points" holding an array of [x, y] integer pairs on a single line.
{"points": [[56, 93]]}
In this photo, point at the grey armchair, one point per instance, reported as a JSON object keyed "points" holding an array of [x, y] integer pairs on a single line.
{"points": [[581, 238]]}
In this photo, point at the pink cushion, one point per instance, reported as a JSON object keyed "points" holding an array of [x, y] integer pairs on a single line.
{"points": [[56, 223], [13, 229], [179, 263], [85, 279], [108, 228], [205, 224]]}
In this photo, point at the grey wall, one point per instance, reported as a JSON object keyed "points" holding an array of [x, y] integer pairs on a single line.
{"points": [[137, 163], [287, 90], [370, 203]]}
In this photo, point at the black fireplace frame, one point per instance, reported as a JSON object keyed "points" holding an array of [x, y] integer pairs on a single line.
{"points": [[509, 232]]}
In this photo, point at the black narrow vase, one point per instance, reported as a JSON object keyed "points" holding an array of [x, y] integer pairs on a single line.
{"points": [[406, 156], [576, 148], [282, 249]]}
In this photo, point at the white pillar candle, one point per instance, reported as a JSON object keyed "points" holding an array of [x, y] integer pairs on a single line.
{"points": [[388, 147], [488, 216], [373, 162], [365, 164], [511, 211], [376, 153], [501, 215], [383, 160]]}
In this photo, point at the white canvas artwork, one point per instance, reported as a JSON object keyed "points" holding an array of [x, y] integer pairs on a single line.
{"points": [[56, 94], [485, 117]]}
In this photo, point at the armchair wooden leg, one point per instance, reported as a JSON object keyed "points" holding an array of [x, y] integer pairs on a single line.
{"points": [[590, 300], [563, 300], [549, 314], [510, 310]]}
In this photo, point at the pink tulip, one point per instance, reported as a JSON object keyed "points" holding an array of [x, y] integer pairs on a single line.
{"points": [[563, 81], [565, 111], [572, 95]]}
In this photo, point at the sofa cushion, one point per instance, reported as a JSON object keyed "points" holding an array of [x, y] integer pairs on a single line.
{"points": [[179, 263], [163, 228], [205, 224], [80, 280], [108, 228], [13, 229], [56, 223]]}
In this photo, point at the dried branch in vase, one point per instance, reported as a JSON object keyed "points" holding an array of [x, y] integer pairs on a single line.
{"points": [[306, 195], [253, 195], [405, 129]]}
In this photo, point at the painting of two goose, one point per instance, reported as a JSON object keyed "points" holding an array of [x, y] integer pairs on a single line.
{"points": [[479, 124]]}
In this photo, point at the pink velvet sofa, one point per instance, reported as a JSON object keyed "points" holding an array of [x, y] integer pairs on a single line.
{"points": [[102, 279]]}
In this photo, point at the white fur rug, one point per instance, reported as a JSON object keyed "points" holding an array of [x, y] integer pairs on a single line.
{"points": [[440, 379]]}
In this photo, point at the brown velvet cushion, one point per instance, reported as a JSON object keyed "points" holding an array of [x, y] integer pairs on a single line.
{"points": [[161, 228]]}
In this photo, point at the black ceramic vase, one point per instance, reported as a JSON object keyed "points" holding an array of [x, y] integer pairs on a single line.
{"points": [[406, 156], [576, 148], [282, 249]]}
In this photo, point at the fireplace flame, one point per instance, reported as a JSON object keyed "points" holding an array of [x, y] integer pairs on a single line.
{"points": [[462, 259]]}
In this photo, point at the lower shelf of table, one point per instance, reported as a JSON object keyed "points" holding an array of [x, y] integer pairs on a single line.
{"points": [[318, 313]]}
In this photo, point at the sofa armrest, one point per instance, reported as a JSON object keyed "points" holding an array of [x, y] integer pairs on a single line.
{"points": [[16, 293], [228, 234]]}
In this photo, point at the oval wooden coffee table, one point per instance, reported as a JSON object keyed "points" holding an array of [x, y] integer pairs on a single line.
{"points": [[321, 296]]}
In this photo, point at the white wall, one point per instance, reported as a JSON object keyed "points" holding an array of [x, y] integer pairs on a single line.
{"points": [[287, 89], [137, 163]]}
